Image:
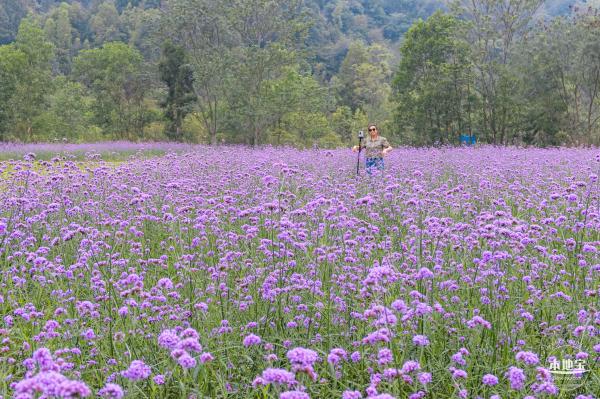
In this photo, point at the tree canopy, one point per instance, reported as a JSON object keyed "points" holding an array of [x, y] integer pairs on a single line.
{"points": [[301, 73]]}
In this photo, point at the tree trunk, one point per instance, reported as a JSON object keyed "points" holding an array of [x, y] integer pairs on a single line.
{"points": [[255, 138], [590, 112]]}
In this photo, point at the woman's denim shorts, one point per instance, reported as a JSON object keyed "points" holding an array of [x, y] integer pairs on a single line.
{"points": [[374, 163]]}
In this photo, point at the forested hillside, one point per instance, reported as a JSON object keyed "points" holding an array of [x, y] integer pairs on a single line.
{"points": [[296, 72]]}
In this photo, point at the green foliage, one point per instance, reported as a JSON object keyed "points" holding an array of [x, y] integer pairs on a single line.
{"points": [[560, 65], [142, 27], [346, 124], [25, 69], [59, 31], [363, 79], [543, 114], [178, 76], [68, 115], [244, 57], [363, 82], [11, 13], [194, 130], [495, 28], [267, 41], [113, 73], [310, 72], [106, 24], [201, 28], [432, 82], [12, 62], [296, 104]]}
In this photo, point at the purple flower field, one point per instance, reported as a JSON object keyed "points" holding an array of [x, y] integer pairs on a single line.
{"points": [[106, 150], [277, 273]]}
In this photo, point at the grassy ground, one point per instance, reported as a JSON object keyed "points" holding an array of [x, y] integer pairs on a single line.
{"points": [[111, 156]]}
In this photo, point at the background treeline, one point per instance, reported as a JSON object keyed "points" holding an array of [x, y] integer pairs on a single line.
{"points": [[300, 72]]}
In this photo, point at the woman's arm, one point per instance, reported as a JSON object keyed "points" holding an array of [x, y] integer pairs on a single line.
{"points": [[386, 147]]}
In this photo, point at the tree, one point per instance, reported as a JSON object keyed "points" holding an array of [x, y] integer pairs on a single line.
{"points": [[142, 26], [178, 76], [12, 63], [106, 24], [296, 105], [346, 124], [80, 21], [202, 29], [588, 76], [11, 13], [268, 35], [59, 31], [363, 79], [543, 116], [344, 81], [495, 28], [68, 114], [33, 81], [432, 86], [248, 95], [569, 68], [114, 74]]}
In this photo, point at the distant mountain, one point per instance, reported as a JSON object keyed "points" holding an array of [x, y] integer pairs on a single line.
{"points": [[557, 7], [339, 22], [336, 23], [564, 7]]}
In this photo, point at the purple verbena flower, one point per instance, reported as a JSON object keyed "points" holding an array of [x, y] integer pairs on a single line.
{"points": [[251, 340], [490, 379], [137, 370], [111, 391]]}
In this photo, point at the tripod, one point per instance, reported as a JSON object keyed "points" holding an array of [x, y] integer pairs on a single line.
{"points": [[361, 135]]}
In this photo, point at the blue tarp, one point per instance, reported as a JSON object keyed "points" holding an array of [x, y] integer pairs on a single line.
{"points": [[468, 140]]}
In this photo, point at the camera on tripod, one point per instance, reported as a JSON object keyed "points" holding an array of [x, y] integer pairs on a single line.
{"points": [[361, 136]]}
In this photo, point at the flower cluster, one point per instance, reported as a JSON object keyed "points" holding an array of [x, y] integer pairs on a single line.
{"points": [[182, 346], [49, 382]]}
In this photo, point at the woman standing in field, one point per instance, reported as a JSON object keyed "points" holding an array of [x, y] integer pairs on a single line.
{"points": [[376, 147]]}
